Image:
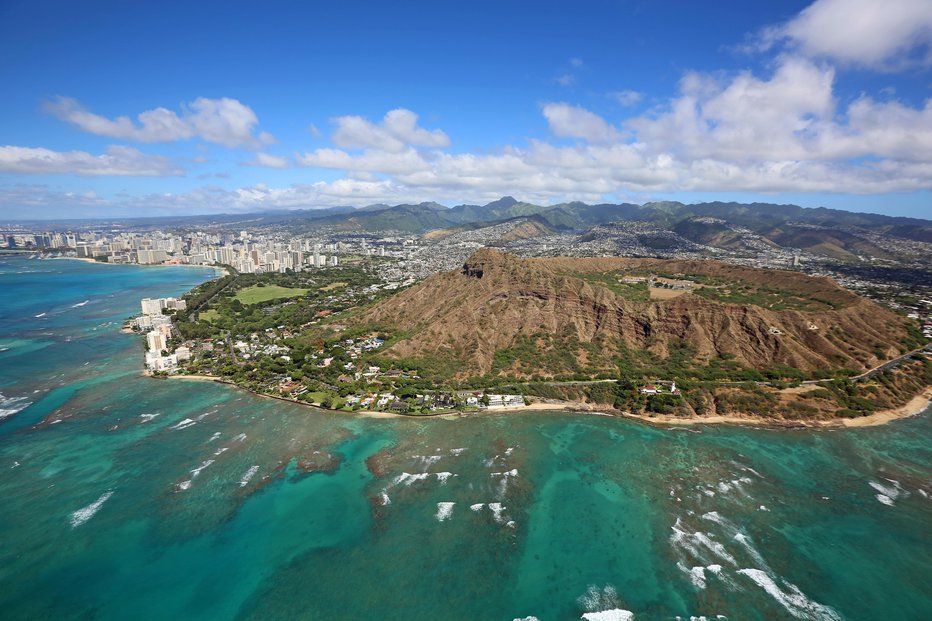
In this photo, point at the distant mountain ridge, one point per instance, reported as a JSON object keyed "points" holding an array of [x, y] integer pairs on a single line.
{"points": [[578, 216]]}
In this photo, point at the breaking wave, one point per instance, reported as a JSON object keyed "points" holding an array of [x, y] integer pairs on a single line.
{"points": [[85, 513]]}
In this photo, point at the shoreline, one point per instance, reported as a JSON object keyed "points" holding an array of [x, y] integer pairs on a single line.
{"points": [[918, 404], [224, 271]]}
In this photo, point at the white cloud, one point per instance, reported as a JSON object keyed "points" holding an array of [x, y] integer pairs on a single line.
{"points": [[885, 34], [223, 121], [785, 131], [566, 79], [405, 162], [117, 161], [749, 118], [627, 98], [568, 121], [397, 130], [270, 161], [782, 132]]}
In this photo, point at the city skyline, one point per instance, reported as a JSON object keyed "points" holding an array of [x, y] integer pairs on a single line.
{"points": [[112, 114]]}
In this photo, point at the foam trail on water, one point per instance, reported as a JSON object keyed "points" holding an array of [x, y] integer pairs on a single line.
{"points": [[793, 600], [615, 614], [203, 465], [248, 476], [85, 513], [407, 478], [12, 405]]}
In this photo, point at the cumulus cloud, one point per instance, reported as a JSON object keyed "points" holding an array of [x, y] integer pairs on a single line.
{"points": [[396, 131], [405, 162], [890, 34], [270, 161], [117, 161], [568, 121], [783, 117], [222, 121], [782, 132]]}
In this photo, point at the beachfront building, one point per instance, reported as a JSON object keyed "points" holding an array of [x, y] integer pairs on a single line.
{"points": [[156, 341], [150, 306], [505, 401]]}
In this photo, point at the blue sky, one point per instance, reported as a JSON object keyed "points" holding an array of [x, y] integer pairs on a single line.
{"points": [[181, 108]]}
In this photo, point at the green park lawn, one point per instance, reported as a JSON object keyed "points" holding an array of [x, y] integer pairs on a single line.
{"points": [[254, 295]]}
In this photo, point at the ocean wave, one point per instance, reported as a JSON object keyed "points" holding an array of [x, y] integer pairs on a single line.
{"points": [[615, 614], [406, 478], [248, 476], [745, 542], [444, 510], [602, 605], [216, 435], [199, 469], [477, 507], [443, 476], [183, 424], [456, 451], [147, 417], [695, 542], [85, 513], [80, 304], [384, 499], [497, 510], [888, 494], [792, 599], [427, 461], [697, 576], [12, 405]]}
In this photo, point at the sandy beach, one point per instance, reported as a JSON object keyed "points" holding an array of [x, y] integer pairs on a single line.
{"points": [[223, 270], [916, 405]]}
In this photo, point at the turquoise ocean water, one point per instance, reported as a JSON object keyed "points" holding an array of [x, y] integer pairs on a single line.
{"points": [[123, 497]]}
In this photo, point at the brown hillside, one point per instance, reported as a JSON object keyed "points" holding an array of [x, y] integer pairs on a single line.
{"points": [[498, 301]]}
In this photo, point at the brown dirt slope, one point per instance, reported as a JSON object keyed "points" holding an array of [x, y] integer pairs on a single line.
{"points": [[463, 317]]}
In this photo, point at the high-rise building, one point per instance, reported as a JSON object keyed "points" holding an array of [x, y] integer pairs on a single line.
{"points": [[156, 341], [151, 307]]}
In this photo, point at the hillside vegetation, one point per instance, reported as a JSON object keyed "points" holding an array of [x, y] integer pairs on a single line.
{"points": [[506, 317]]}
